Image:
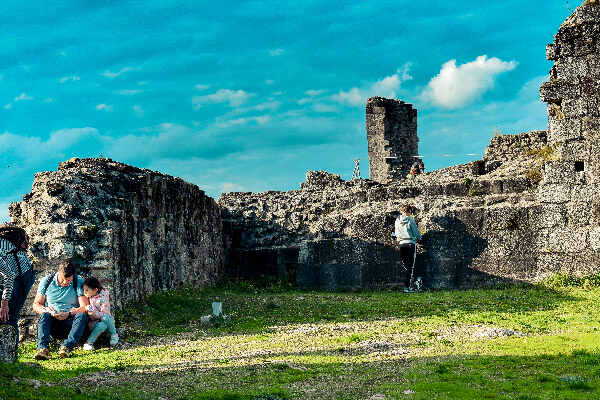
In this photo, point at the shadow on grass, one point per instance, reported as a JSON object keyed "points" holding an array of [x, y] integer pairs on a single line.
{"points": [[574, 375], [253, 310]]}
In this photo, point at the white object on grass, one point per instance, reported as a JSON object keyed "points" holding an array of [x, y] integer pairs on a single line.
{"points": [[217, 308]]}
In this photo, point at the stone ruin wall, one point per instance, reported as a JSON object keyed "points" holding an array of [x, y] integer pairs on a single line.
{"points": [[137, 230], [569, 193], [335, 234], [529, 209], [505, 148], [391, 137]]}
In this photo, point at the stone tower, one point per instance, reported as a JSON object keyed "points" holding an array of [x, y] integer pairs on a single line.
{"points": [[392, 138], [569, 192]]}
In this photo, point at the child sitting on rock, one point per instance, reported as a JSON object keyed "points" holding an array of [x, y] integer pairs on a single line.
{"points": [[98, 312]]}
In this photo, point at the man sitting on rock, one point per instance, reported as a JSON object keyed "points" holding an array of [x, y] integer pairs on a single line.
{"points": [[61, 305]]}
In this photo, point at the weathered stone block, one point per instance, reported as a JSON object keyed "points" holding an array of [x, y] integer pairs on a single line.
{"points": [[579, 213], [564, 129], [595, 238], [557, 90], [574, 150], [8, 344], [559, 172], [568, 240], [552, 215], [554, 193], [591, 128]]}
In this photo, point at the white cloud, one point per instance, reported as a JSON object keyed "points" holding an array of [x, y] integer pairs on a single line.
{"points": [[112, 75], [269, 82], [235, 98], [304, 100], [260, 120], [324, 108], [104, 107], [72, 78], [142, 83], [314, 93], [276, 52], [458, 86], [201, 87], [8, 106], [128, 92], [386, 87], [48, 100], [23, 97]]}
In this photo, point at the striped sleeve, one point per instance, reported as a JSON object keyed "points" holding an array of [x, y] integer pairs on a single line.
{"points": [[7, 275], [9, 270], [5, 247]]}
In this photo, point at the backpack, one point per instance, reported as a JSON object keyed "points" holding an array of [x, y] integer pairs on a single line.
{"points": [[49, 281]]}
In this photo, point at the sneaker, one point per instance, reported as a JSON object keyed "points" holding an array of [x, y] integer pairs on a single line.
{"points": [[114, 339], [64, 352], [42, 354], [88, 347]]}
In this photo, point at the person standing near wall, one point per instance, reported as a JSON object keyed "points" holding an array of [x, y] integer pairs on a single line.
{"points": [[16, 274], [407, 234]]}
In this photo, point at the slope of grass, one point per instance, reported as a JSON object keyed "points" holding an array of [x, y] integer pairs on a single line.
{"points": [[514, 343]]}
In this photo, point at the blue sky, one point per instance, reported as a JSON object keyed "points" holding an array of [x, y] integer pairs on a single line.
{"points": [[249, 95]]}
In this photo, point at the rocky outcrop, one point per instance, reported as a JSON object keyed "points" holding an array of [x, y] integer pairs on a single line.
{"points": [[137, 230]]}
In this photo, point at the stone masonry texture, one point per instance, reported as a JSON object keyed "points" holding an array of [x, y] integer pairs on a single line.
{"points": [[136, 230], [569, 193], [391, 137]]}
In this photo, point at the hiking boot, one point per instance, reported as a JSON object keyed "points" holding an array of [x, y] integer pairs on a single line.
{"points": [[64, 352], [42, 355], [114, 339]]}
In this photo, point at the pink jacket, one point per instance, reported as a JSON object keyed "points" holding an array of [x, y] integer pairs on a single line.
{"points": [[100, 303]]}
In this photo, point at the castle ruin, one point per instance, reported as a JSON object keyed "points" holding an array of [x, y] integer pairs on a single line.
{"points": [[530, 208]]}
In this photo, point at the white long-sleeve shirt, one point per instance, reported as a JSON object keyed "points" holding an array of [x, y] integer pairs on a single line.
{"points": [[9, 271]]}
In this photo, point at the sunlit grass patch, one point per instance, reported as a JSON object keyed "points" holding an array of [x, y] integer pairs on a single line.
{"points": [[503, 343]]}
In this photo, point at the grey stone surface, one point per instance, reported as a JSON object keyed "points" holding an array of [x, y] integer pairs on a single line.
{"points": [[392, 138], [136, 230], [570, 184], [8, 348]]}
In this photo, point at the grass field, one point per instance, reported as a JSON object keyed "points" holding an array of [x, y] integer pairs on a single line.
{"points": [[516, 343]]}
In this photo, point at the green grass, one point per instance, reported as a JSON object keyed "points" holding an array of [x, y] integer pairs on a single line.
{"points": [[282, 344]]}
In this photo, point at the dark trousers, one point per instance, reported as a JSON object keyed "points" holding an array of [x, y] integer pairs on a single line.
{"points": [[407, 256], [18, 298], [70, 329]]}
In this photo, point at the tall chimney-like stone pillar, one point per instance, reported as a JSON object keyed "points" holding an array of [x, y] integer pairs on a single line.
{"points": [[392, 138]]}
